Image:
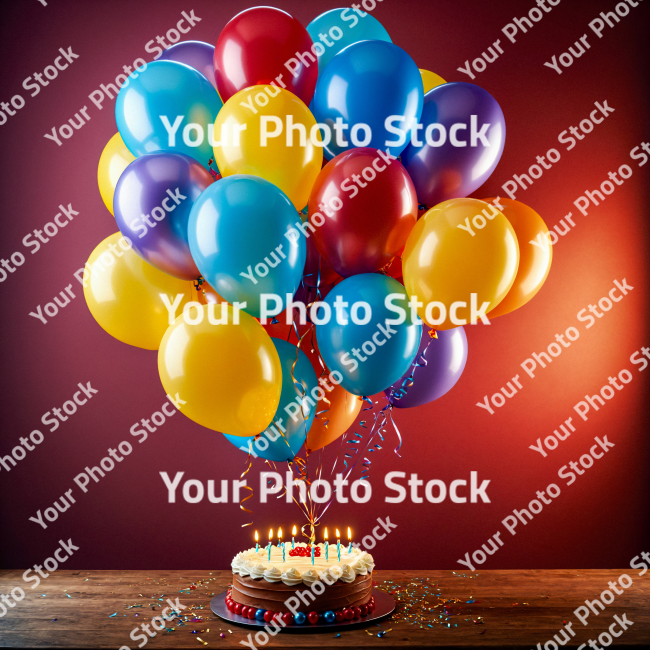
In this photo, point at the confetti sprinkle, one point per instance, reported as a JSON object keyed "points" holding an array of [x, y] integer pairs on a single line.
{"points": [[54, 620], [336, 636], [222, 635], [198, 638], [113, 615]]}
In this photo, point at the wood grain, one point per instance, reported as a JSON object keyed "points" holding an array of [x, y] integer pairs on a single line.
{"points": [[518, 609]]}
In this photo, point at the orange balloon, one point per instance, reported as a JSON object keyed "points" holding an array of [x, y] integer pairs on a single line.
{"points": [[535, 255], [342, 412]]}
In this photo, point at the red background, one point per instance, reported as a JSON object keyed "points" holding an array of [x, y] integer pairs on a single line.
{"points": [[125, 521]]}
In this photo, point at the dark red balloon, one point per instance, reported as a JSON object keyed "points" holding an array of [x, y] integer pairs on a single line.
{"points": [[253, 48], [377, 209], [317, 271]]}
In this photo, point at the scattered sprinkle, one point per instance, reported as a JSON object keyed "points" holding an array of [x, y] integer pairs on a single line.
{"points": [[113, 615]]}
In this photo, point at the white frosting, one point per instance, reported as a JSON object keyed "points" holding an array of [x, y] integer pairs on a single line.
{"points": [[359, 567], [309, 577], [273, 574], [257, 571], [291, 577], [348, 574], [294, 570]]}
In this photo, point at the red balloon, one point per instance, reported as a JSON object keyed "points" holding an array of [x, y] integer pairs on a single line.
{"points": [[377, 205], [253, 48]]}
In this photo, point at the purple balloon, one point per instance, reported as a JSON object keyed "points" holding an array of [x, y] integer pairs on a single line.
{"points": [[445, 361], [453, 172], [152, 204], [196, 54]]}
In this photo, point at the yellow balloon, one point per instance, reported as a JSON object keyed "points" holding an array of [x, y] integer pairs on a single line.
{"points": [[445, 263], [536, 255], [114, 160], [292, 168], [228, 376], [123, 292], [430, 80]]}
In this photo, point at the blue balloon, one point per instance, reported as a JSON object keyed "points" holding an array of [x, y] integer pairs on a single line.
{"points": [[271, 445], [372, 356], [353, 28], [238, 238], [167, 89], [367, 83]]}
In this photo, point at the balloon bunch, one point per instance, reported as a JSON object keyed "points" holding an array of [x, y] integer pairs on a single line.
{"points": [[218, 188]]}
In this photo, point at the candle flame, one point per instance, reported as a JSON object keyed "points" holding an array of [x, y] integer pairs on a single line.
{"points": [[293, 532], [257, 537], [349, 533], [326, 534], [270, 534], [338, 534], [279, 533]]}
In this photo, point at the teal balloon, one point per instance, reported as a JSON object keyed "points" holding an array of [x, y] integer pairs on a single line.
{"points": [[167, 89], [354, 28], [238, 238], [271, 445], [372, 356]]}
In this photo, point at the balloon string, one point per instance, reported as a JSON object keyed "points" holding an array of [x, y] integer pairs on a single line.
{"points": [[420, 362], [215, 174], [247, 487]]}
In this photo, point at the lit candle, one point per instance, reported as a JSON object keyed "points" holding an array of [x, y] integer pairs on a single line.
{"points": [[257, 539], [338, 543], [269, 546], [312, 553], [326, 547], [293, 534], [280, 542], [349, 540]]}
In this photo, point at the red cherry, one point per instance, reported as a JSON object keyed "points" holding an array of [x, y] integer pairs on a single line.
{"points": [[312, 617], [230, 605], [239, 609], [364, 610], [287, 617], [357, 612], [371, 607], [268, 616], [340, 616], [348, 613], [251, 613]]}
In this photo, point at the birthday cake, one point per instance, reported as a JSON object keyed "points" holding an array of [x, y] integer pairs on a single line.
{"points": [[336, 589]]}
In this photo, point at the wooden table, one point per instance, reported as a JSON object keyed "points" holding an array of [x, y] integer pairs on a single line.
{"points": [[510, 609]]}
